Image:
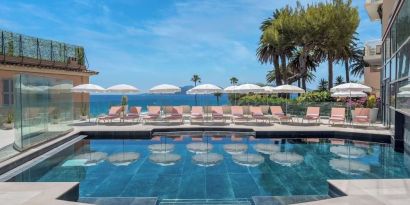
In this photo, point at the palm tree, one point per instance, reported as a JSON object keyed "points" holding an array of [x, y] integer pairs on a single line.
{"points": [[358, 63], [339, 80], [196, 79], [234, 80], [218, 96], [323, 85]]}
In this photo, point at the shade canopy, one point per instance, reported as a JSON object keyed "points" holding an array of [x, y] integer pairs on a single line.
{"points": [[268, 89], [165, 89], [205, 89], [88, 88], [353, 94], [404, 94], [122, 88], [249, 88], [288, 89], [346, 87], [231, 89], [405, 88]]}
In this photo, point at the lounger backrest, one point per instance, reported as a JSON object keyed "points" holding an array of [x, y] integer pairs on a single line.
{"points": [[256, 110], [236, 110], [276, 110], [313, 111], [154, 110], [114, 110], [362, 112], [217, 110], [338, 112], [135, 110], [197, 110], [177, 110]]}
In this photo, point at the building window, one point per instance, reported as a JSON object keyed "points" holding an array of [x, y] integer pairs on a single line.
{"points": [[404, 61], [7, 92]]}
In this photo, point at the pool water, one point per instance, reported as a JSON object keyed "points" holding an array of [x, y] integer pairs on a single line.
{"points": [[215, 167]]}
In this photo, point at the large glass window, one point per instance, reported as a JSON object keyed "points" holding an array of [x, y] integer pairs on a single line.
{"points": [[403, 61], [393, 69], [403, 96], [393, 94], [7, 92], [402, 23]]}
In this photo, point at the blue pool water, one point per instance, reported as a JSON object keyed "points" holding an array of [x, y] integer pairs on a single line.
{"points": [[128, 168]]}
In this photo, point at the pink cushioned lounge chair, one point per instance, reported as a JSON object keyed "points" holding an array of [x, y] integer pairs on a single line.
{"points": [[176, 114], [312, 113], [154, 113], [237, 114], [257, 114], [278, 114], [338, 114], [113, 113], [362, 115], [133, 114], [197, 113], [217, 113]]}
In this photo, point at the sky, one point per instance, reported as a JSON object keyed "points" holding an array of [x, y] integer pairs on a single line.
{"points": [[150, 42]]}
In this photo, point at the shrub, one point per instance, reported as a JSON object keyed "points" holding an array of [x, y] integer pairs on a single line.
{"points": [[322, 96]]}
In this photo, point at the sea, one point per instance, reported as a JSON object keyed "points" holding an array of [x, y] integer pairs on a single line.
{"points": [[99, 104]]}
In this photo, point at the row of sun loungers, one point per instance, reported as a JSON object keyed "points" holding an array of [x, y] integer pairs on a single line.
{"points": [[237, 115]]}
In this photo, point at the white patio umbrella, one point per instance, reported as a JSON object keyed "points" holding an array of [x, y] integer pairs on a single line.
{"points": [[87, 88], [232, 90], [404, 94], [249, 88], [349, 94], [165, 89], [204, 89], [122, 88], [288, 89], [351, 87], [405, 88]]}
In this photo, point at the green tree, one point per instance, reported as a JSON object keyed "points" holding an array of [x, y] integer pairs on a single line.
{"points": [[323, 85], [233, 80], [196, 79], [339, 80], [218, 96], [358, 63]]}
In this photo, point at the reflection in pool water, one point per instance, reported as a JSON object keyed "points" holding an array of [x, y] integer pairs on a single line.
{"points": [[165, 159], [235, 148], [161, 148], [123, 158], [286, 159], [203, 168]]}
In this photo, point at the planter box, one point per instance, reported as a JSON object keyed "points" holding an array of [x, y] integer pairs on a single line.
{"points": [[8, 126]]}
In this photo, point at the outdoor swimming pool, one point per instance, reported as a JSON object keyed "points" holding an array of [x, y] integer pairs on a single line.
{"points": [[215, 167]]}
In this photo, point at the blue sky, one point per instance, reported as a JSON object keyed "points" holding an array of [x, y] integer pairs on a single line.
{"points": [[148, 42]]}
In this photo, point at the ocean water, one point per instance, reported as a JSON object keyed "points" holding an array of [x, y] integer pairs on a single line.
{"points": [[99, 104]]}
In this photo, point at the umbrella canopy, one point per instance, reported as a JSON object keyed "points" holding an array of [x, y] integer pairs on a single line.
{"points": [[269, 89], [288, 89], [122, 88], [205, 89], [405, 88], [347, 87], [231, 89], [249, 88], [165, 89], [352, 94], [87, 88], [404, 94]]}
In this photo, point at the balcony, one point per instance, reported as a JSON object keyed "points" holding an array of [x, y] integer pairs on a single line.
{"points": [[373, 53], [374, 9], [26, 50]]}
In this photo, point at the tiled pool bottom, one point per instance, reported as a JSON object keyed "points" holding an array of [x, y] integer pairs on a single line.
{"points": [[223, 167]]}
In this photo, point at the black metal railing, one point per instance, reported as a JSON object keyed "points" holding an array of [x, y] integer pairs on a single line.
{"points": [[19, 48]]}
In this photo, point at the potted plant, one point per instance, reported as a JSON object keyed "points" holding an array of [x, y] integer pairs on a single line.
{"points": [[83, 112], [371, 103], [8, 124]]}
